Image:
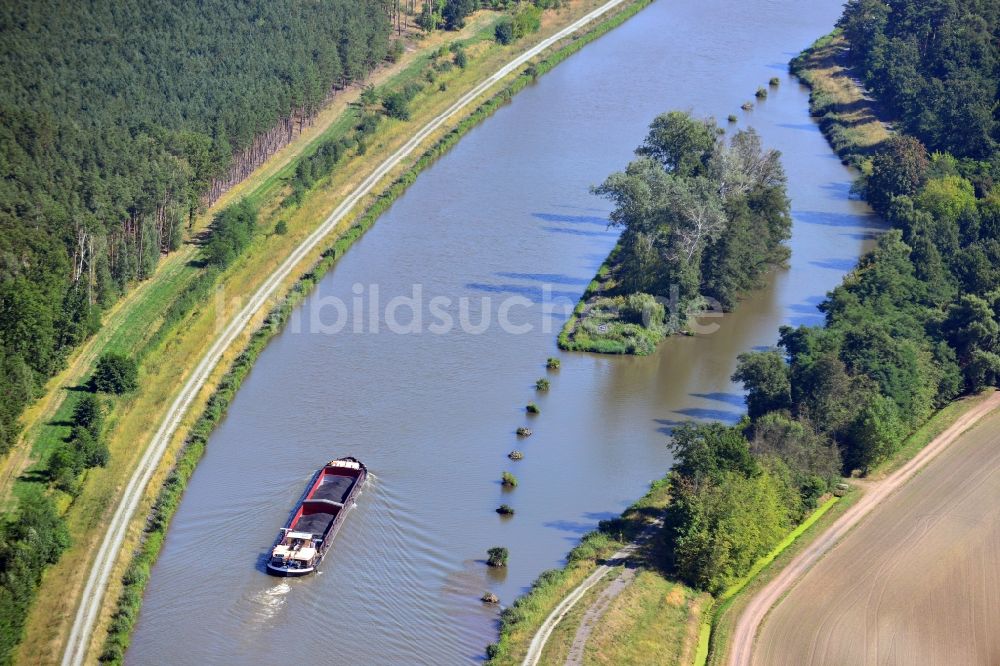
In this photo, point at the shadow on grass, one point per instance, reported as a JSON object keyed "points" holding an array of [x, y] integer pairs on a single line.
{"points": [[35, 476]]}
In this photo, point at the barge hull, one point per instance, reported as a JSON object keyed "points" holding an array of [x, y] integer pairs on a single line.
{"points": [[316, 519]]}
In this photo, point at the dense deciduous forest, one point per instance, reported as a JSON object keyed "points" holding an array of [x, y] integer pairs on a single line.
{"points": [[700, 219], [120, 119], [935, 67], [914, 326]]}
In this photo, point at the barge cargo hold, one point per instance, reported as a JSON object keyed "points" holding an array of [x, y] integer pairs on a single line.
{"points": [[314, 523]]}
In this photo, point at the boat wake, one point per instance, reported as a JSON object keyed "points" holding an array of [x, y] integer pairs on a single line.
{"points": [[268, 602]]}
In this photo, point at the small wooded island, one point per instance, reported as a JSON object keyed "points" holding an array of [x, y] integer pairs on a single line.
{"points": [[702, 221]]}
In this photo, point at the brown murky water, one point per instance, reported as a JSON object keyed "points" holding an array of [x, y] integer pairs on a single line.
{"points": [[505, 215]]}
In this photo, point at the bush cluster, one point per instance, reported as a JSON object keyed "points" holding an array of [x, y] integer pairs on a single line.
{"points": [[29, 541], [84, 448], [701, 218], [115, 373], [230, 234]]}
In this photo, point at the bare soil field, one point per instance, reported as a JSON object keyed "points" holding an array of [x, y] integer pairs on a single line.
{"points": [[917, 582]]}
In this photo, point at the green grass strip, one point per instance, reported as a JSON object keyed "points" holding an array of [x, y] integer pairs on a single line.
{"points": [[137, 575], [725, 599], [565, 339]]}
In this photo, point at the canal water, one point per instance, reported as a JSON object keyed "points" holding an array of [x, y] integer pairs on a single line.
{"points": [[502, 227]]}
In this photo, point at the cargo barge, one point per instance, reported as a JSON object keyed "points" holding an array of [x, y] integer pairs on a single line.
{"points": [[314, 523]]}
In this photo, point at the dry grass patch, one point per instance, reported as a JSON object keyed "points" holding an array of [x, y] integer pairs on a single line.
{"points": [[649, 623], [557, 648], [847, 115], [676, 596]]}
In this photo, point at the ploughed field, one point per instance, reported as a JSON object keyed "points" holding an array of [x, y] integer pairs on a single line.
{"points": [[918, 581]]}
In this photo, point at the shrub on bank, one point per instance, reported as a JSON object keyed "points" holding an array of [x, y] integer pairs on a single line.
{"points": [[395, 105], [508, 480], [115, 373], [542, 384], [230, 234], [28, 543], [503, 32], [527, 20], [89, 413], [632, 324], [532, 408]]}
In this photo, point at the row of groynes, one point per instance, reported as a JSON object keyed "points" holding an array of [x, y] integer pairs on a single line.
{"points": [[761, 95], [168, 499], [498, 556]]}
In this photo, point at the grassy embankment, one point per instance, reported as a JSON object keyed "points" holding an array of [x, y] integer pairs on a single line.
{"points": [[654, 619], [521, 620], [847, 117], [173, 354]]}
